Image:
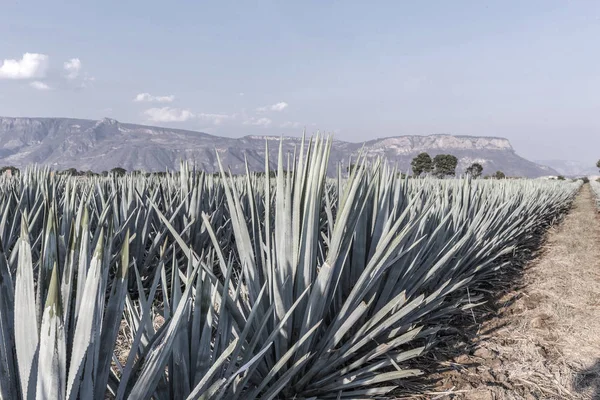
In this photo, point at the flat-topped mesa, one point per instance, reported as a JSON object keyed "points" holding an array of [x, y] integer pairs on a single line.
{"points": [[414, 144], [272, 138]]}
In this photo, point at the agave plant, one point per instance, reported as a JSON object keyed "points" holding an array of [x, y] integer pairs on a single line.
{"points": [[595, 185]]}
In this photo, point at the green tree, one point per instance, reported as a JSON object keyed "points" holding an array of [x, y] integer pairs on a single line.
{"points": [[13, 170], [560, 178], [598, 164], [118, 171], [444, 165], [499, 175], [70, 172], [475, 170], [421, 164]]}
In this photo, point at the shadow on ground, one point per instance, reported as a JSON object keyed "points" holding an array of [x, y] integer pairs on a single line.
{"points": [[589, 379]]}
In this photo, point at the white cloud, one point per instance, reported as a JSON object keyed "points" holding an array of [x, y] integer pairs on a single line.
{"points": [[215, 119], [148, 98], [282, 105], [168, 114], [241, 94], [258, 121], [39, 85], [72, 68], [279, 106], [31, 65], [289, 124]]}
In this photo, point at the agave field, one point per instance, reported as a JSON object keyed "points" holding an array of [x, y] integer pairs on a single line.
{"points": [[299, 286]]}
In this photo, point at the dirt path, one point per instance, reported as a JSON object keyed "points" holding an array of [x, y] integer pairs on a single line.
{"points": [[544, 342]]}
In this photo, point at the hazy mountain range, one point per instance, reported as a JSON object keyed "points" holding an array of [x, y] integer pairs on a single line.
{"points": [[571, 168], [101, 145]]}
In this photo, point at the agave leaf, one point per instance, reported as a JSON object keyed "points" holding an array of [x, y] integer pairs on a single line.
{"points": [[9, 377], [48, 260], [179, 372], [203, 322], [218, 363], [26, 326], [373, 380], [52, 365], [112, 320], [84, 329], [84, 261], [67, 282]]}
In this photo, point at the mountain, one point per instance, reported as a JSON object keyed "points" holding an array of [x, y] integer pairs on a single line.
{"points": [[571, 168], [101, 145]]}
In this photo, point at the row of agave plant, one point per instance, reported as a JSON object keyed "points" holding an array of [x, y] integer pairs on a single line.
{"points": [[595, 185], [298, 286]]}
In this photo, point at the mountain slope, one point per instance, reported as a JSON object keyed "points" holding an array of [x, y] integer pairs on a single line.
{"points": [[101, 145]]}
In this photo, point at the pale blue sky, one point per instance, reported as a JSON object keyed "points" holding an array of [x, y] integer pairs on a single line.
{"points": [[525, 70]]}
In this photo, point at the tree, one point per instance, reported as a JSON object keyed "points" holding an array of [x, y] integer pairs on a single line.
{"points": [[13, 170], [444, 164], [118, 171], [421, 164], [70, 172], [499, 175], [350, 169], [598, 164], [560, 178], [475, 170]]}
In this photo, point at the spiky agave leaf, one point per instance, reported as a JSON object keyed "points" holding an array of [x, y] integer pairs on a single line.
{"points": [[84, 329], [26, 326], [52, 368], [8, 371], [112, 320]]}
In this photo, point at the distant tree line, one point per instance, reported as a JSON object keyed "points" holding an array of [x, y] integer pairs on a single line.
{"points": [[440, 166], [118, 171]]}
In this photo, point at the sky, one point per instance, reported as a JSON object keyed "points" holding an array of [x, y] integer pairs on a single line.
{"points": [[525, 70]]}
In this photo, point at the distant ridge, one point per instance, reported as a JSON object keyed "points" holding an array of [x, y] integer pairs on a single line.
{"points": [[99, 145], [571, 168]]}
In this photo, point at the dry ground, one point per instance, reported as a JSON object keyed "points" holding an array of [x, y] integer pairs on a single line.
{"points": [[544, 340]]}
